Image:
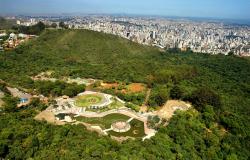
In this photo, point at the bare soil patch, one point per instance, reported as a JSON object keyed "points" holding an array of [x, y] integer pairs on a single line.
{"points": [[109, 85], [49, 117], [136, 87], [167, 111], [1, 102], [1, 96]]}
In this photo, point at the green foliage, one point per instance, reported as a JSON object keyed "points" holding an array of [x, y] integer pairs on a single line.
{"points": [[158, 96], [53, 25], [174, 74], [136, 98], [176, 93], [6, 23], [220, 131], [205, 96], [153, 121], [10, 103], [58, 88], [34, 30], [63, 25], [133, 107], [36, 103]]}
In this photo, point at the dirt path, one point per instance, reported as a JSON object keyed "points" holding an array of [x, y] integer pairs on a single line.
{"points": [[1, 96], [144, 106]]}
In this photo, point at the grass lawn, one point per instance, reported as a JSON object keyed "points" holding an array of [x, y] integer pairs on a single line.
{"points": [[114, 105], [136, 131], [104, 122], [88, 100], [137, 127]]}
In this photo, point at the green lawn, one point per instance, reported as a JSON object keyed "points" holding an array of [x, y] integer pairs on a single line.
{"points": [[106, 121], [137, 130], [114, 105], [137, 127], [88, 100]]}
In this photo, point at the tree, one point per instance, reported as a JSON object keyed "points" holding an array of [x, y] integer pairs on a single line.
{"points": [[158, 99], [62, 24], [205, 96], [4, 149], [40, 26], [153, 121], [53, 25], [176, 92], [231, 53], [35, 29], [10, 103]]}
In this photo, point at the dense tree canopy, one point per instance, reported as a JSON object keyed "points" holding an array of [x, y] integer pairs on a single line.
{"points": [[58, 88], [34, 30], [218, 86]]}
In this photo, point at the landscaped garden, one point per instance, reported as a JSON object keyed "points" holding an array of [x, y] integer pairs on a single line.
{"points": [[136, 130], [104, 122], [88, 100]]}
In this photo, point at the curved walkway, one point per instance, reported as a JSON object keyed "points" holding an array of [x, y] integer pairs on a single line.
{"points": [[134, 115]]}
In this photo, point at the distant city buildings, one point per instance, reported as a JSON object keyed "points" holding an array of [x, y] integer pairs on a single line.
{"points": [[29, 22], [203, 37]]}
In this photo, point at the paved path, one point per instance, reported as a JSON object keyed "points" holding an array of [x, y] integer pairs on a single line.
{"points": [[128, 121], [125, 111]]}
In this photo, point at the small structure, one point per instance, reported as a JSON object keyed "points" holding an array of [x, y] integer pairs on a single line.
{"points": [[120, 127], [24, 100]]}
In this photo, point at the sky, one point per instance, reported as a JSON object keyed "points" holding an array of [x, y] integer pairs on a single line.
{"points": [[229, 9]]}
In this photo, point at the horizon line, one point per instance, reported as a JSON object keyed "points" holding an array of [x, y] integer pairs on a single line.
{"points": [[123, 14]]}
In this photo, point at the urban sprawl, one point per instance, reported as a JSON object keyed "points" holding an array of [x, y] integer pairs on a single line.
{"points": [[198, 36]]}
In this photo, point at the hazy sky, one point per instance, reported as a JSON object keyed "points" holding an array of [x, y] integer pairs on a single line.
{"points": [[234, 9]]}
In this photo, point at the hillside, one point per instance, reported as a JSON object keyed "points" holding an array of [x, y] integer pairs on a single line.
{"points": [[84, 53], [215, 132], [6, 24]]}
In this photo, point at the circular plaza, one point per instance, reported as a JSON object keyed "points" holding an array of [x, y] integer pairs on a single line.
{"points": [[120, 126], [92, 100]]}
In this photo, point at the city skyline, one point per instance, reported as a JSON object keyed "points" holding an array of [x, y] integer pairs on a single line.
{"points": [[222, 9]]}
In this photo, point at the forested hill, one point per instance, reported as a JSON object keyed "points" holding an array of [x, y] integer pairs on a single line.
{"points": [[83, 53], [6, 23], [218, 86]]}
